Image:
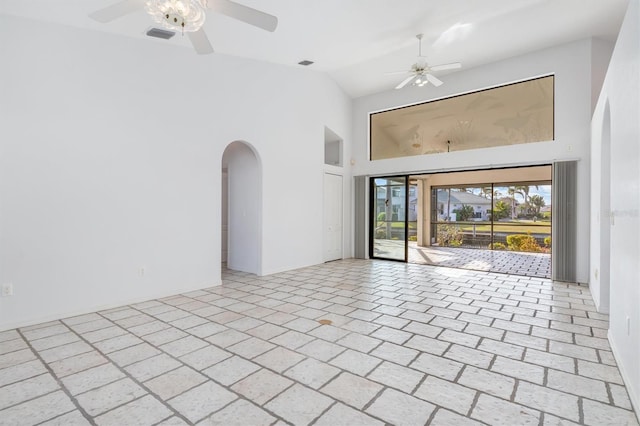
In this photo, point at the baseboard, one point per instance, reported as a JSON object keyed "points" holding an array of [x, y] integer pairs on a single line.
{"points": [[629, 384], [97, 308], [597, 303]]}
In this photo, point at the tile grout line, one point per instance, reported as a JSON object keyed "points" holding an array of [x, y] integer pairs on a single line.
{"points": [[599, 358], [127, 375], [59, 381], [266, 368], [580, 410], [227, 388]]}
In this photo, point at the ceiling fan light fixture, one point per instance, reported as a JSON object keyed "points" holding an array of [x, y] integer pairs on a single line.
{"points": [[180, 15], [420, 73]]}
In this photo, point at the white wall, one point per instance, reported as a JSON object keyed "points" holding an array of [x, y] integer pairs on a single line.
{"points": [[621, 91], [571, 64], [110, 161], [600, 56], [600, 244]]}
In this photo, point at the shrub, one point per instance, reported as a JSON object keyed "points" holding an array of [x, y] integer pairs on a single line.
{"points": [[520, 242], [382, 216], [381, 234], [547, 241], [413, 238], [497, 246], [501, 210], [464, 213], [449, 235]]}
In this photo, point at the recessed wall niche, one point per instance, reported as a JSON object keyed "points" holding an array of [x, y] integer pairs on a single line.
{"points": [[332, 148]]}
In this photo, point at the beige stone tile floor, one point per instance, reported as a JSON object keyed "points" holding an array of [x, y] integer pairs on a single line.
{"points": [[407, 345]]}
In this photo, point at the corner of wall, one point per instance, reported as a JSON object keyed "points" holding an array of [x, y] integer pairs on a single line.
{"points": [[601, 51], [634, 393]]}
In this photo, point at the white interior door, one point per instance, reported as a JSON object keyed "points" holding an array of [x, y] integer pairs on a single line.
{"points": [[332, 217]]}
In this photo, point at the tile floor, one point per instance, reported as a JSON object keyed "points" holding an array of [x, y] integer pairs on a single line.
{"points": [[505, 262], [408, 345], [536, 265]]}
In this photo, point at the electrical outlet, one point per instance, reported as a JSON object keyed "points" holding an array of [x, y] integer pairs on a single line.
{"points": [[628, 326], [141, 272], [7, 290], [596, 273]]}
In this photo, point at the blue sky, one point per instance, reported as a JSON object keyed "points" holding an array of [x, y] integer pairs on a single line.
{"points": [[543, 190]]}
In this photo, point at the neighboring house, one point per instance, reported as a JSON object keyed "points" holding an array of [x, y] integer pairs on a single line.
{"points": [[397, 203], [513, 203], [413, 208], [447, 206]]}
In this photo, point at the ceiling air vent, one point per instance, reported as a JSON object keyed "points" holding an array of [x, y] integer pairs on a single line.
{"points": [[158, 33], [305, 63]]}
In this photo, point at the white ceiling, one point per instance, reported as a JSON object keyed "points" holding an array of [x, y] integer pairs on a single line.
{"points": [[357, 41]]}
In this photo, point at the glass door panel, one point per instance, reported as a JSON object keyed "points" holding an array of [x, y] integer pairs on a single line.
{"points": [[522, 217], [389, 214], [461, 216]]}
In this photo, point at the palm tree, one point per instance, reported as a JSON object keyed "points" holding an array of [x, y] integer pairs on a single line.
{"points": [[513, 190], [524, 190], [486, 192], [537, 202]]}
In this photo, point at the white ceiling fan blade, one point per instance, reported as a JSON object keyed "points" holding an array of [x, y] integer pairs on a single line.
{"points": [[117, 10], [433, 80], [405, 82], [397, 72], [200, 42], [245, 14], [451, 66]]}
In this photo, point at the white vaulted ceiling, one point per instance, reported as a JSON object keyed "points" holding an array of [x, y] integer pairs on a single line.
{"points": [[357, 41]]}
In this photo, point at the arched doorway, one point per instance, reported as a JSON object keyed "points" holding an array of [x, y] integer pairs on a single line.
{"points": [[242, 208]]}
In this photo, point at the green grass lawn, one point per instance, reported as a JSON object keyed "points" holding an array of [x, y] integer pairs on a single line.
{"points": [[396, 225], [521, 227], [510, 228]]}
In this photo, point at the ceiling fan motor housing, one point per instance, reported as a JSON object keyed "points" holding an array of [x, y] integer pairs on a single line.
{"points": [[182, 15], [174, 19], [186, 16]]}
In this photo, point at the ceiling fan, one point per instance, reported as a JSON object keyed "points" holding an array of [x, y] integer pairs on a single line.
{"points": [[188, 16], [421, 71]]}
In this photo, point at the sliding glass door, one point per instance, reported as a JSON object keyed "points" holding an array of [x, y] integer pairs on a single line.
{"points": [[389, 218], [513, 216]]}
